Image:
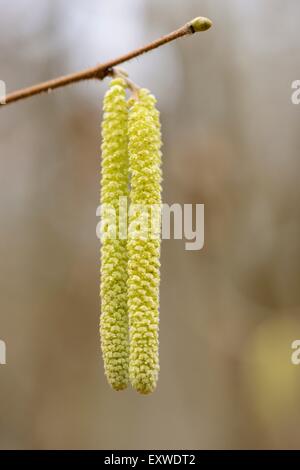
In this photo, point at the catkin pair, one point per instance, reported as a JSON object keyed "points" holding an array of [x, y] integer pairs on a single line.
{"points": [[130, 268]]}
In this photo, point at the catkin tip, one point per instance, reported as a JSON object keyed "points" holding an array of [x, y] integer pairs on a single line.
{"points": [[119, 387], [200, 24]]}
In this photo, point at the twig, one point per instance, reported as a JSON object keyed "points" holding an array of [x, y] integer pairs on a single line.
{"points": [[101, 71]]}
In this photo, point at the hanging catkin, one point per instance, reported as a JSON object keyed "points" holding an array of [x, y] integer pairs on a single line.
{"points": [[143, 251], [114, 184]]}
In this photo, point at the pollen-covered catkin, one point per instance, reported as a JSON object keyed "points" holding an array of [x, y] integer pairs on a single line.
{"points": [[114, 184], [144, 248]]}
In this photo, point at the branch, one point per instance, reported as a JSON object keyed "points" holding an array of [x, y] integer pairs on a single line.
{"points": [[102, 70]]}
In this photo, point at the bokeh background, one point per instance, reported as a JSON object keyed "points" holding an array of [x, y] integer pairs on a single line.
{"points": [[229, 312]]}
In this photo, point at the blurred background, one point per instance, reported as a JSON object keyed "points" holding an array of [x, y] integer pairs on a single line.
{"points": [[229, 312]]}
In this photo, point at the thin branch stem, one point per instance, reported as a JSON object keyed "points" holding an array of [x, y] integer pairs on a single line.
{"points": [[101, 71]]}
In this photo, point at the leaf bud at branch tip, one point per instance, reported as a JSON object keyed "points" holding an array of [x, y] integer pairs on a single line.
{"points": [[200, 24]]}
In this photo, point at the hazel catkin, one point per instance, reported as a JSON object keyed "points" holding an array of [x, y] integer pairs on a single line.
{"points": [[144, 251], [113, 289]]}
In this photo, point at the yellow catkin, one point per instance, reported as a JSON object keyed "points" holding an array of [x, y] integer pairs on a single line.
{"points": [[113, 290], [143, 251]]}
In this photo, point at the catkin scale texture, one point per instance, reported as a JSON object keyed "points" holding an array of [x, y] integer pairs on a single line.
{"points": [[113, 289], [143, 252]]}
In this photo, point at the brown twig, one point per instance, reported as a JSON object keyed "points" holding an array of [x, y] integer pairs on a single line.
{"points": [[101, 71]]}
